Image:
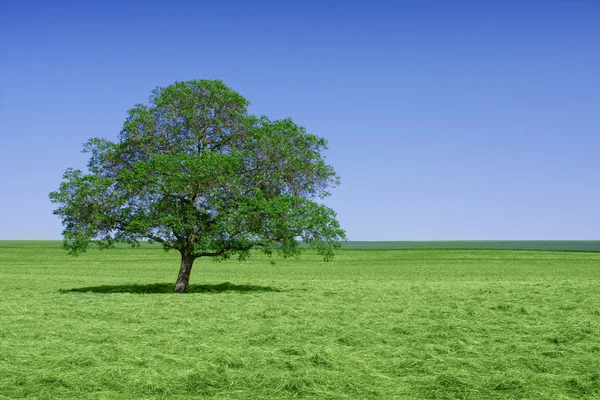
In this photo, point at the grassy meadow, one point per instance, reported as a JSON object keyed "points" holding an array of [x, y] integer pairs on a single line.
{"points": [[378, 322]]}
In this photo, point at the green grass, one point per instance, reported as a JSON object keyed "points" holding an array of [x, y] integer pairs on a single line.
{"points": [[378, 324]]}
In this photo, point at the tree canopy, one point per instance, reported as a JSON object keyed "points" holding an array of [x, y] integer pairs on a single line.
{"points": [[195, 172]]}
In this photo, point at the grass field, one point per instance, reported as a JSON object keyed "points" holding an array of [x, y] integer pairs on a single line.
{"points": [[372, 324]]}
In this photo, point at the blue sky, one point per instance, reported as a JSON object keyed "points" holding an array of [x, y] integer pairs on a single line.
{"points": [[446, 120]]}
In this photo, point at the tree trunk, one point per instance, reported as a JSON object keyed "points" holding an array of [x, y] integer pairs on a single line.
{"points": [[183, 278]]}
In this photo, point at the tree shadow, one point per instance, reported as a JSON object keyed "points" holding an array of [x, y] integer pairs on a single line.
{"points": [[168, 288]]}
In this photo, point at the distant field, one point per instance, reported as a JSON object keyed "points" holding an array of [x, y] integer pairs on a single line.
{"points": [[555, 245], [53, 244], [380, 324]]}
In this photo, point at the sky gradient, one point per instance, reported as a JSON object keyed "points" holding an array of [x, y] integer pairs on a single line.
{"points": [[462, 120]]}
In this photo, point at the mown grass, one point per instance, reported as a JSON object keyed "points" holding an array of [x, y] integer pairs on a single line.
{"points": [[380, 324]]}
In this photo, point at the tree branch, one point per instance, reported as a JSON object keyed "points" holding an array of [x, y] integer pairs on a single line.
{"points": [[210, 254], [159, 239], [125, 227]]}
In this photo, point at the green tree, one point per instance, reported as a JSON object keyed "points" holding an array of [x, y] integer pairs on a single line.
{"points": [[195, 172]]}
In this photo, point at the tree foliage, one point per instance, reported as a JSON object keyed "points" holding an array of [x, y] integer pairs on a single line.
{"points": [[194, 171]]}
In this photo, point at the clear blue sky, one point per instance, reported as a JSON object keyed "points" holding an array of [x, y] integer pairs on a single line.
{"points": [[446, 120]]}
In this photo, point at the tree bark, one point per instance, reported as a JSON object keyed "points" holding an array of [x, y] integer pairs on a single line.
{"points": [[183, 278]]}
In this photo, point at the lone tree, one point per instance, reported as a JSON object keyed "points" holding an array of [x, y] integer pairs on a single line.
{"points": [[196, 173]]}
